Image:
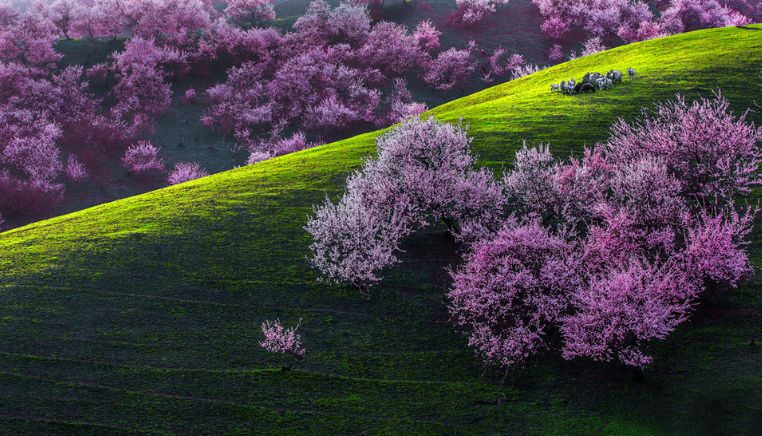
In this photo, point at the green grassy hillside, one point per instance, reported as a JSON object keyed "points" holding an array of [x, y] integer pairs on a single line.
{"points": [[143, 314]]}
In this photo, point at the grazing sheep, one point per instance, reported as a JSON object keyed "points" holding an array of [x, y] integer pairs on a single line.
{"points": [[583, 88], [568, 87], [615, 76], [604, 83], [591, 82]]}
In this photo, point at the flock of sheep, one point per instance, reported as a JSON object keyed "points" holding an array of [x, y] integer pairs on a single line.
{"points": [[592, 82]]}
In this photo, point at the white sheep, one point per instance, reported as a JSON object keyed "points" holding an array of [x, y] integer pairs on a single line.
{"points": [[614, 75]]}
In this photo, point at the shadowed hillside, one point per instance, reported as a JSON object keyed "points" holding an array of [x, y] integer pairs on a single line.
{"points": [[144, 313]]}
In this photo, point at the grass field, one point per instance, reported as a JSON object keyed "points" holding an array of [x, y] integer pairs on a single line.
{"points": [[142, 315]]}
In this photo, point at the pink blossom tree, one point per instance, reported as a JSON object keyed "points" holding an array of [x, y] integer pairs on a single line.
{"points": [[470, 12], [313, 90], [525, 70], [226, 44], [142, 158], [511, 290], [357, 237], [65, 16], [716, 249], [597, 17], [46, 113], [592, 45], [423, 171], [348, 22], [75, 170], [189, 96], [426, 35], [39, 113], [450, 69], [87, 23], [390, 49], [138, 51], [555, 27], [555, 54], [283, 340], [179, 23], [280, 146], [635, 20], [529, 184], [649, 225], [112, 18], [618, 312], [258, 156], [497, 67], [27, 38], [250, 12], [401, 103], [684, 15], [335, 70], [142, 96], [714, 154], [141, 92], [185, 171], [29, 163]]}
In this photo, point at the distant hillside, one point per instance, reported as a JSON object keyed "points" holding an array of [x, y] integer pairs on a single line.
{"points": [[143, 314], [182, 138]]}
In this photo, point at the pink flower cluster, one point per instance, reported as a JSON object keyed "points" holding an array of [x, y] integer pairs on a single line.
{"points": [[46, 112], [648, 220], [250, 12], [282, 340], [185, 171], [600, 255], [511, 291], [423, 171], [142, 158], [41, 111], [336, 69], [75, 170], [471, 12], [635, 20]]}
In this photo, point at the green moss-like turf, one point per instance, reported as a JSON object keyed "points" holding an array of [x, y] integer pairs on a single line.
{"points": [[142, 315]]}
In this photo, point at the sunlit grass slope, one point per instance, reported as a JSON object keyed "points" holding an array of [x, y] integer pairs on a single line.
{"points": [[143, 314]]}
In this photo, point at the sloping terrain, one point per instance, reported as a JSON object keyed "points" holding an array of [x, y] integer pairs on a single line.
{"points": [[182, 138], [143, 314]]}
